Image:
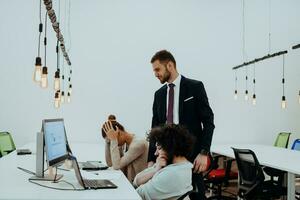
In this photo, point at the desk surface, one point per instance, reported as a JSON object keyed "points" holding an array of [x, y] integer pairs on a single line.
{"points": [[14, 183], [275, 157]]}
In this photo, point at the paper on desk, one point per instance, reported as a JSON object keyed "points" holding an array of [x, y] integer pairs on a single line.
{"points": [[103, 174]]}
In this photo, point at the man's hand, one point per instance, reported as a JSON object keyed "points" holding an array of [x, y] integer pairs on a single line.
{"points": [[109, 131], [200, 163], [161, 160]]}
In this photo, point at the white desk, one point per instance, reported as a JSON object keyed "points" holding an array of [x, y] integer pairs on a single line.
{"points": [[14, 183], [278, 158]]}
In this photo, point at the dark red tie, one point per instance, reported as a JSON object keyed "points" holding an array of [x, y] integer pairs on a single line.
{"points": [[170, 104]]}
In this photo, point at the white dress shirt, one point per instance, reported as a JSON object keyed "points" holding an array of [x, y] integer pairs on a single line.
{"points": [[176, 82]]}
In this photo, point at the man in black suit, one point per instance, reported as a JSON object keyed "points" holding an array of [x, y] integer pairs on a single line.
{"points": [[183, 101]]}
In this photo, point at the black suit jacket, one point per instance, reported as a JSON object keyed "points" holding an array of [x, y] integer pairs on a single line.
{"points": [[194, 113]]}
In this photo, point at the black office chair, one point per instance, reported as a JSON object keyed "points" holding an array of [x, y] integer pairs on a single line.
{"points": [[217, 177], [185, 195], [252, 184]]}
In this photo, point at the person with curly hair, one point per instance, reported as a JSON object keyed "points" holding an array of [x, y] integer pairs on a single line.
{"points": [[171, 175], [134, 159]]}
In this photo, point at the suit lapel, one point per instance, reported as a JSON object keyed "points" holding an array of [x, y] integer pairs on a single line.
{"points": [[182, 91]]}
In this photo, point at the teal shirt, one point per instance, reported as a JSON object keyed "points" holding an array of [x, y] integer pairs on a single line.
{"points": [[168, 183]]}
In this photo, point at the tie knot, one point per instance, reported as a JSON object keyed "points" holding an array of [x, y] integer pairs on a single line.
{"points": [[171, 85]]}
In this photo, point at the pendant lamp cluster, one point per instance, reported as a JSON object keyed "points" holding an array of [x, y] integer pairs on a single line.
{"points": [[256, 60], [40, 75]]}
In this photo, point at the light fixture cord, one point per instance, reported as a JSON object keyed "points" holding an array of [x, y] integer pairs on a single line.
{"points": [[269, 26], [235, 80], [40, 28], [283, 79], [254, 81], [45, 39]]}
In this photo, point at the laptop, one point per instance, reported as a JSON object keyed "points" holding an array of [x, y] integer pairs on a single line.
{"points": [[91, 183]]}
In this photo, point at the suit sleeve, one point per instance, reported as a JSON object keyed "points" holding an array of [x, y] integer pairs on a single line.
{"points": [[155, 122], [207, 118]]}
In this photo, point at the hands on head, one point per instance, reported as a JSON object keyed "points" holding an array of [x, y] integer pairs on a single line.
{"points": [[111, 133]]}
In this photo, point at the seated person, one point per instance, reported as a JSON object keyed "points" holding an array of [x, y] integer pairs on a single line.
{"points": [[171, 176], [134, 159]]}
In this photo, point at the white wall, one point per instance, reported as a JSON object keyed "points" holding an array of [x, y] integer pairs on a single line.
{"points": [[112, 44]]}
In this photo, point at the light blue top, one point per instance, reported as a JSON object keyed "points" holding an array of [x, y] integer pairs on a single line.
{"points": [[169, 183]]}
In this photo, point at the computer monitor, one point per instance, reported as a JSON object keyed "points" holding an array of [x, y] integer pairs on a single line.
{"points": [[55, 141]]}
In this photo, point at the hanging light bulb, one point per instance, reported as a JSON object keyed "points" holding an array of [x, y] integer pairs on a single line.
{"points": [[44, 78], [235, 95], [235, 91], [70, 88], [246, 95], [254, 81], [56, 100], [56, 81], [62, 98], [283, 102], [37, 70], [254, 99], [69, 97], [59, 95]]}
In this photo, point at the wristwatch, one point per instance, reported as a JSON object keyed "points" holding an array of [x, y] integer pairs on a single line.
{"points": [[204, 152]]}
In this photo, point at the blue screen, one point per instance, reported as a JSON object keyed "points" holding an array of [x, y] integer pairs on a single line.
{"points": [[55, 139]]}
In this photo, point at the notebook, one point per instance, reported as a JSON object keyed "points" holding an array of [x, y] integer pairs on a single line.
{"points": [[91, 183]]}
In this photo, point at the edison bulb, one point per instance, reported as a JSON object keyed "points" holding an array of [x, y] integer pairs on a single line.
{"points": [[246, 95], [283, 102], [56, 81], [254, 99], [44, 79], [62, 97], [56, 100], [37, 74], [69, 97], [235, 95]]}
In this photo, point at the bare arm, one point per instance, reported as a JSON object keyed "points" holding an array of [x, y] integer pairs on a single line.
{"points": [[134, 151], [144, 176]]}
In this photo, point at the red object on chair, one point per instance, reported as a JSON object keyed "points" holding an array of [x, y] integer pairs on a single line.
{"points": [[220, 174]]}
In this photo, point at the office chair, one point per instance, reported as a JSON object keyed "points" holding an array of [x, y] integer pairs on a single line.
{"points": [[217, 177], [185, 195], [7, 144], [282, 141], [252, 184], [296, 145]]}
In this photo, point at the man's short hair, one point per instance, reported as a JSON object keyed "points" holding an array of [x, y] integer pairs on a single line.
{"points": [[163, 56], [175, 140]]}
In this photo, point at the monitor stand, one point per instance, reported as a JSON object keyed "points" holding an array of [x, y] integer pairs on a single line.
{"points": [[39, 172], [48, 177]]}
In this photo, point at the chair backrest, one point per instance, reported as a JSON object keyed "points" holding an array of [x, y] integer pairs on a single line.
{"points": [[296, 145], [282, 140], [6, 143], [250, 171]]}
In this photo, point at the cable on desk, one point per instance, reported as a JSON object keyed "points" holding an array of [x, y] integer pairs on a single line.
{"points": [[26, 170], [55, 188]]}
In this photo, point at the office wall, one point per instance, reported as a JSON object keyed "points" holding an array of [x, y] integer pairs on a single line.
{"points": [[112, 43]]}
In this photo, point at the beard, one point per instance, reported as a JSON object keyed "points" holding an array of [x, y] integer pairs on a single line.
{"points": [[165, 77]]}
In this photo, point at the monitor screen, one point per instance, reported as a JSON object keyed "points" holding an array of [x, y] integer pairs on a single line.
{"points": [[55, 141]]}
